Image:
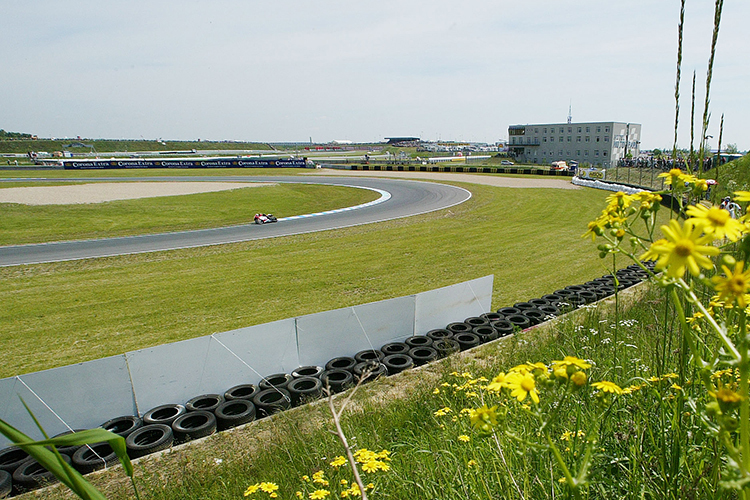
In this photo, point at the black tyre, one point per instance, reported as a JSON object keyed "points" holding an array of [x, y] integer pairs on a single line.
{"points": [[374, 368], [305, 389], [457, 328], [439, 334], [607, 290], [337, 380], [368, 355], [523, 306], [507, 311], [519, 320], [164, 414], [394, 348], [422, 355], [244, 391], [535, 316], [123, 426], [446, 347], [206, 402], [277, 380], [93, 457], [553, 298], [476, 321], [308, 371], [233, 413], [194, 425], [149, 439], [490, 316], [341, 363], [11, 458], [270, 401], [538, 302], [418, 341], [6, 483], [68, 450], [30, 475], [467, 340], [503, 327], [574, 288], [550, 310], [485, 333], [396, 363], [565, 294], [588, 296]]}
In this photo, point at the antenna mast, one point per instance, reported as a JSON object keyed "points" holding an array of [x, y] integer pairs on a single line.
{"points": [[570, 113]]}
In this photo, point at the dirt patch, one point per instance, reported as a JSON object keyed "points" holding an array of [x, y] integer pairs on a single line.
{"points": [[488, 180], [99, 192]]}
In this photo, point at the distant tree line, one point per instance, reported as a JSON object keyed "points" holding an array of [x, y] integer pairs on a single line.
{"points": [[13, 135]]}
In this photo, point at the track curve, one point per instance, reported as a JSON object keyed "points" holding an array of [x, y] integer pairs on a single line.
{"points": [[407, 198]]}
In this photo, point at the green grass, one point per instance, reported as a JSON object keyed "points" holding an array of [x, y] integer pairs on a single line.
{"points": [[57, 314], [428, 461], [35, 224]]}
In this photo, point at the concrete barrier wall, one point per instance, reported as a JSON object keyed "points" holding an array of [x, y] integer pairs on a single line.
{"points": [[85, 395]]}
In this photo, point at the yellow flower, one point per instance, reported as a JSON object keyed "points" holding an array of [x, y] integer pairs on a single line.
{"points": [[648, 200], [742, 195], [676, 387], [522, 384], [484, 418], [338, 461], [436, 391], [269, 487], [716, 221], [318, 478], [497, 383], [683, 248], [733, 285], [578, 378], [375, 465], [252, 489], [464, 438], [471, 463], [728, 396], [298, 494], [605, 386], [442, 412], [619, 199], [676, 177], [319, 494]]}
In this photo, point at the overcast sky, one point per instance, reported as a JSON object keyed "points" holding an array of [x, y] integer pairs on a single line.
{"points": [[341, 70]]}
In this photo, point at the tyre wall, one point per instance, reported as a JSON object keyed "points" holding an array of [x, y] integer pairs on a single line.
{"points": [[82, 396]]}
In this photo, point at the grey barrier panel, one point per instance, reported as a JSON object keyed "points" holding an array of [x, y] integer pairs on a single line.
{"points": [[168, 373], [81, 396], [437, 308], [344, 332], [264, 350]]}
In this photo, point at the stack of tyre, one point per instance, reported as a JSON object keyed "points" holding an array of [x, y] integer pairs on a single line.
{"points": [[201, 416]]}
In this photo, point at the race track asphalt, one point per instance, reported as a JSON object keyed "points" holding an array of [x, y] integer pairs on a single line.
{"points": [[404, 198]]}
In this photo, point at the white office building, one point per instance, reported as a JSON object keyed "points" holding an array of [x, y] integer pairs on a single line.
{"points": [[597, 143]]}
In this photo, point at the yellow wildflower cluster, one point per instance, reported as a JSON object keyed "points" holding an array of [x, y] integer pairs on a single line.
{"points": [[620, 207], [265, 487], [372, 461]]}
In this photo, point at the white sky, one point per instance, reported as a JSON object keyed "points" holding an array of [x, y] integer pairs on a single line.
{"points": [[289, 70]]}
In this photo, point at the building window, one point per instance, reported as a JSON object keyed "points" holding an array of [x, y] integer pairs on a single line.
{"points": [[561, 152], [604, 153], [570, 129], [606, 129], [551, 139], [579, 130], [588, 129], [569, 138], [588, 138], [597, 139], [598, 129], [561, 138], [578, 139], [544, 139], [606, 138], [578, 152], [586, 152], [567, 153], [596, 152], [545, 130], [536, 130]]}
